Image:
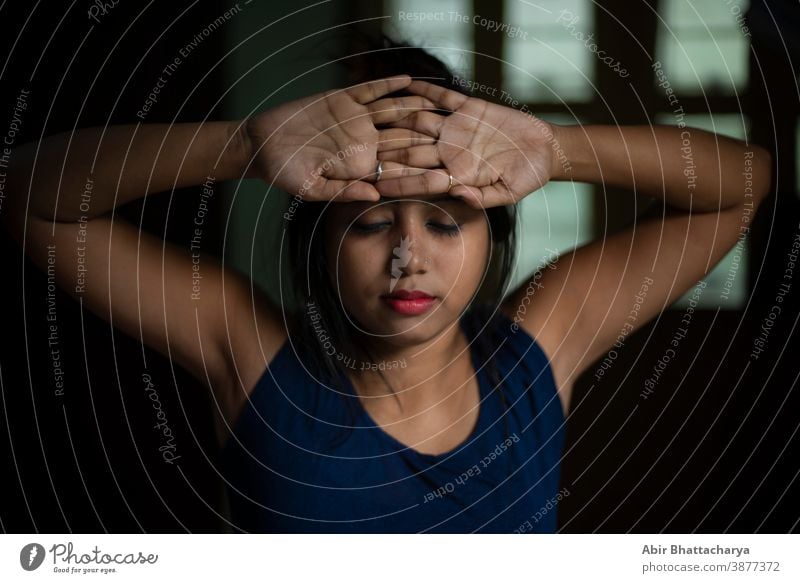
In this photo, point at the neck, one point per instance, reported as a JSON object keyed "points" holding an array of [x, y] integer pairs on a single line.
{"points": [[419, 375]]}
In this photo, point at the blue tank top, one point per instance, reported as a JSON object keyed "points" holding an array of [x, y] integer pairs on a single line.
{"points": [[283, 475]]}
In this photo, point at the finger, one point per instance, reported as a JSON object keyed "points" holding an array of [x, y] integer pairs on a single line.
{"points": [[394, 170], [395, 138], [393, 109], [372, 90], [348, 191], [425, 122], [418, 156], [428, 182], [441, 96], [496, 194]]}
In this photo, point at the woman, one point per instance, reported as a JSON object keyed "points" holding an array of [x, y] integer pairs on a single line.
{"points": [[410, 391]]}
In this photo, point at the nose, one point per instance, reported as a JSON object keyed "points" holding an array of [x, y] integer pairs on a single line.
{"points": [[409, 254]]}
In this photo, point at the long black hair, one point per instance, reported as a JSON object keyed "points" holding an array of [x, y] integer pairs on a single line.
{"points": [[318, 311]]}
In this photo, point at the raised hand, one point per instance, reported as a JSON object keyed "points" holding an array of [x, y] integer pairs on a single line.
{"points": [[497, 155], [325, 146]]}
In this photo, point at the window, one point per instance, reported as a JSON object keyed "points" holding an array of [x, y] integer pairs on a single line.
{"points": [[549, 62], [438, 27], [702, 46]]}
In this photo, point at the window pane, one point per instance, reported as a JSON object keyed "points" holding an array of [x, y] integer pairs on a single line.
{"points": [[435, 27], [726, 284], [703, 45], [550, 62], [554, 219]]}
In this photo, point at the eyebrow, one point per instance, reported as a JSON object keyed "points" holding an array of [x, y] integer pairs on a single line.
{"points": [[439, 199]]}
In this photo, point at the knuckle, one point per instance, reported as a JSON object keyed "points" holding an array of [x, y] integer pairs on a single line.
{"points": [[425, 180]]}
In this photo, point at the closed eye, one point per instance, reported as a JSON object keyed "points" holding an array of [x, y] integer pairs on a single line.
{"points": [[450, 230], [369, 227]]}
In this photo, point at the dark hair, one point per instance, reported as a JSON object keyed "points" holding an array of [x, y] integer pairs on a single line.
{"points": [[315, 304]]}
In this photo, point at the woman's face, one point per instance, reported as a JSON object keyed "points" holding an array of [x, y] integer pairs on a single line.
{"points": [[433, 244]]}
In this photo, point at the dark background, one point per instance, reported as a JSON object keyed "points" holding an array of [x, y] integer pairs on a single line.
{"points": [[713, 450]]}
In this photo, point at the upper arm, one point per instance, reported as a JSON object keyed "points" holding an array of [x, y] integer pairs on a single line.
{"points": [[603, 291], [147, 287]]}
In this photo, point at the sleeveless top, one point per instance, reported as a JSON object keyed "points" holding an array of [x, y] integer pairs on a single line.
{"points": [[288, 468]]}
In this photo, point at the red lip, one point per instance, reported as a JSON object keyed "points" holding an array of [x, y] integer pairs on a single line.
{"points": [[403, 294], [410, 307], [409, 302]]}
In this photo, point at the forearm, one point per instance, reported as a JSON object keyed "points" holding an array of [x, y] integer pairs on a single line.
{"points": [[88, 172], [686, 167]]}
